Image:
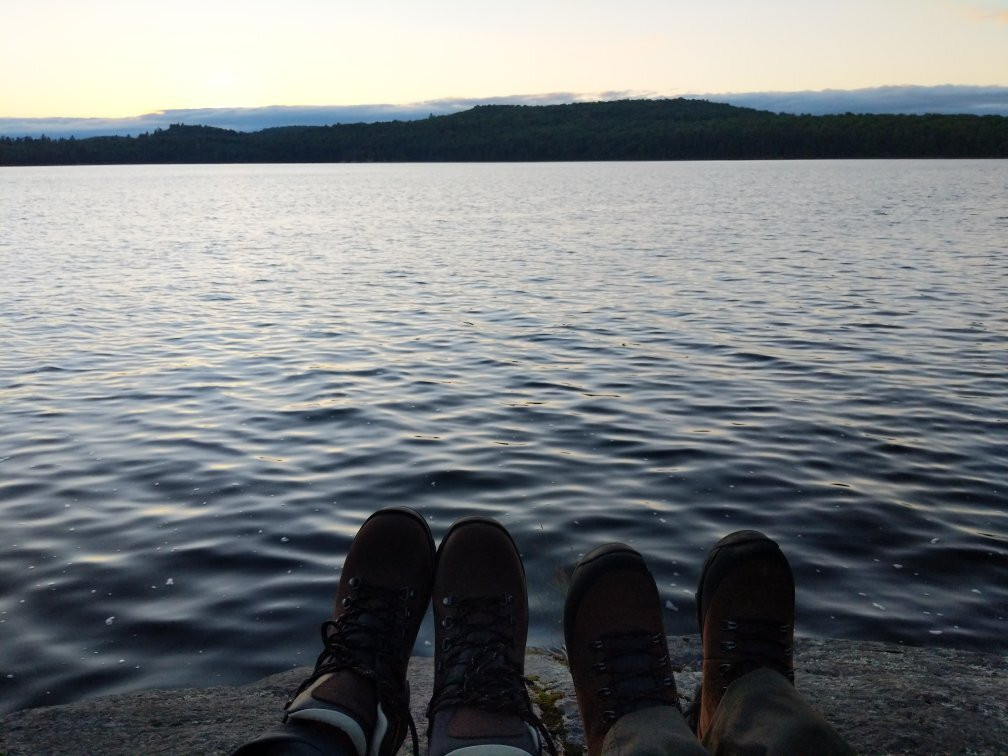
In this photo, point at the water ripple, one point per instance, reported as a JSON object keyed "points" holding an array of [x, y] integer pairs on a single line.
{"points": [[202, 400]]}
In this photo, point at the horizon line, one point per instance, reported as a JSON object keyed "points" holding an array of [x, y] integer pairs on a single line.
{"points": [[890, 99]]}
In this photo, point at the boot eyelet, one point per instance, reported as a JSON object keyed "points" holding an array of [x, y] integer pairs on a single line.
{"points": [[609, 715], [448, 601], [599, 666], [724, 668], [447, 622], [354, 582], [346, 601], [604, 692], [728, 645], [446, 644], [668, 682], [598, 645], [729, 625]]}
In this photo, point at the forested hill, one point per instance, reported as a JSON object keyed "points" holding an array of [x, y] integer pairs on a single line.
{"points": [[626, 130]]}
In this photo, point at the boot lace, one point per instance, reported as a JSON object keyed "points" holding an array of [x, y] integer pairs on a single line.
{"points": [[636, 671], [367, 639], [750, 644], [478, 665]]}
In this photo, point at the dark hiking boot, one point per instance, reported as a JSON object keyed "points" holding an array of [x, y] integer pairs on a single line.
{"points": [[615, 637], [481, 622], [359, 683], [745, 607]]}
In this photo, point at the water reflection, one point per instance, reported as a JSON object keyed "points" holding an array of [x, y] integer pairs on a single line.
{"points": [[201, 406]]}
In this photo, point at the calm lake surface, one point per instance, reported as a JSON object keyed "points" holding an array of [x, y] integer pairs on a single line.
{"points": [[210, 375]]}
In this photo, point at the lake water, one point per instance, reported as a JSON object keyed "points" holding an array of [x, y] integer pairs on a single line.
{"points": [[210, 375]]}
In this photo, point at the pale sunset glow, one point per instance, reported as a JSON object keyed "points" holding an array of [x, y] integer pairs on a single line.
{"points": [[116, 58]]}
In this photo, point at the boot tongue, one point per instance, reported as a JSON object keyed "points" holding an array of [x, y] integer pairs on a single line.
{"points": [[365, 622], [637, 678], [362, 634], [484, 633]]}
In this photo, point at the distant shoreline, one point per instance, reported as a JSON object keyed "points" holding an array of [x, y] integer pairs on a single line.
{"points": [[626, 130]]}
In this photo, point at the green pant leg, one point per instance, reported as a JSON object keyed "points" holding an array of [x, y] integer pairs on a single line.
{"points": [[656, 731], [762, 713]]}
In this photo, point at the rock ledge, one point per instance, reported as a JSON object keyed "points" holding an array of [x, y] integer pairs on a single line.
{"points": [[883, 698]]}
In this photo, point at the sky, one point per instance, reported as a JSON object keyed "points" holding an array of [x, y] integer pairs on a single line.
{"points": [[113, 59]]}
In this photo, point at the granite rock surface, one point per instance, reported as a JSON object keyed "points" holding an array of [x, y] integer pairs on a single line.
{"points": [[883, 698]]}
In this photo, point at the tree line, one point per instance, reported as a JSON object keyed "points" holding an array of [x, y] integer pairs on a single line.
{"points": [[678, 129]]}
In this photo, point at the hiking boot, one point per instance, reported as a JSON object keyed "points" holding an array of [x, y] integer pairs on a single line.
{"points": [[745, 607], [481, 622], [616, 646], [359, 683]]}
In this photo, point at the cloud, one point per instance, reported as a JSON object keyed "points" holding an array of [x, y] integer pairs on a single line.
{"points": [[908, 99], [238, 119], [988, 14], [254, 119]]}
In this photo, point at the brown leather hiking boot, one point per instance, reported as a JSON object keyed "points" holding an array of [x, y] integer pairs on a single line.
{"points": [[745, 607], [616, 646], [481, 622], [359, 683]]}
